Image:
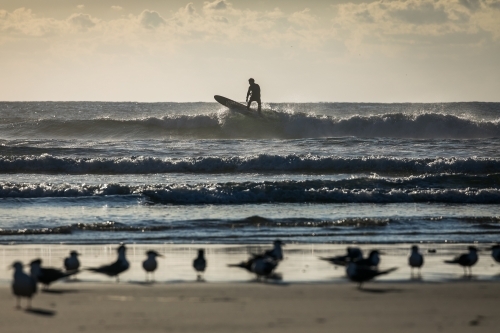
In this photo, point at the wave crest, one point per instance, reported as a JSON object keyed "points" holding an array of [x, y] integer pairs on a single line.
{"points": [[256, 163], [274, 124]]}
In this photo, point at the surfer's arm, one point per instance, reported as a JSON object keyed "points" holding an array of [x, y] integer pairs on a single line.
{"points": [[248, 93]]}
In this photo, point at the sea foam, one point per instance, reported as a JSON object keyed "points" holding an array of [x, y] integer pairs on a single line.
{"points": [[273, 124], [243, 164]]}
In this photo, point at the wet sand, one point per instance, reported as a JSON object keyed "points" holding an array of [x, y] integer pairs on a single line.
{"points": [[256, 307], [301, 262], [312, 296]]}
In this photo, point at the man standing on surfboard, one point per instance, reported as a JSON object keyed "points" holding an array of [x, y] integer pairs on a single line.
{"points": [[253, 93]]}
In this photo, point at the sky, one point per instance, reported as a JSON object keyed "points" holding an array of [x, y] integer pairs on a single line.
{"points": [[297, 51]]}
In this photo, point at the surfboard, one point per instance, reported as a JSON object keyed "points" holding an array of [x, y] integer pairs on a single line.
{"points": [[235, 106]]}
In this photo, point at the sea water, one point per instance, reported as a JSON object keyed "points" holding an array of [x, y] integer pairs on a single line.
{"points": [[92, 172]]}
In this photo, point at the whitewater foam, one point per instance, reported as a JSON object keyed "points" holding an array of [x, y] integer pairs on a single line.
{"points": [[274, 124], [46, 163]]}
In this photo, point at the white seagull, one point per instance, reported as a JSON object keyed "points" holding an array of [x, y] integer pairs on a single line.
{"points": [[23, 285], [119, 266], [150, 264], [466, 260], [200, 264], [416, 259]]}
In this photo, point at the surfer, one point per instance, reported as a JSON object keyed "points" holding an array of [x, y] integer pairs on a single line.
{"points": [[253, 93]]}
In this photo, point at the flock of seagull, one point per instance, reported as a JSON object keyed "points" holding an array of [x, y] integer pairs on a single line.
{"points": [[358, 268]]}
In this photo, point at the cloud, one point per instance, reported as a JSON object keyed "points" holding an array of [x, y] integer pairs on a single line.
{"points": [[150, 19], [81, 22], [216, 5], [303, 18], [189, 9], [383, 24], [117, 8], [414, 21], [419, 13], [493, 4], [471, 4], [22, 22]]}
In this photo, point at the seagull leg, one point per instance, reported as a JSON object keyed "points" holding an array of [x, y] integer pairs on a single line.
{"points": [[18, 305]]}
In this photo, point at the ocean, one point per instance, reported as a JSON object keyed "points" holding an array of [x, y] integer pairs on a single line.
{"points": [[182, 173]]}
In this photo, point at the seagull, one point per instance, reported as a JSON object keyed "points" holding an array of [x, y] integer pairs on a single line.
{"points": [[495, 252], [353, 254], [119, 266], [416, 260], [264, 266], [361, 274], [466, 260], [72, 263], [47, 275], [372, 261], [276, 253], [23, 284], [200, 264], [150, 263], [260, 265]]}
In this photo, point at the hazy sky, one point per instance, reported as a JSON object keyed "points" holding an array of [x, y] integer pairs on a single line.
{"points": [[298, 51]]}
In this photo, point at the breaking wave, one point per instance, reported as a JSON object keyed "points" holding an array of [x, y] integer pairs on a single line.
{"points": [[274, 124], [256, 163], [434, 188]]}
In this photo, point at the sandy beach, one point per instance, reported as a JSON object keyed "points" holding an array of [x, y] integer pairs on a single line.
{"points": [[257, 307], [312, 296]]}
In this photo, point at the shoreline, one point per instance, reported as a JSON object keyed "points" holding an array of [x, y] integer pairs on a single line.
{"points": [[301, 262]]}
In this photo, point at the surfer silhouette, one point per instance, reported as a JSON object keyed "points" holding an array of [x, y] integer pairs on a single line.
{"points": [[253, 93]]}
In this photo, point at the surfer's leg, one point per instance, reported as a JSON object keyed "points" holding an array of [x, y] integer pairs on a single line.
{"points": [[259, 103], [248, 105]]}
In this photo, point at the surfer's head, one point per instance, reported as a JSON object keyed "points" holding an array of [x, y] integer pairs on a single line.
{"points": [[251, 80]]}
